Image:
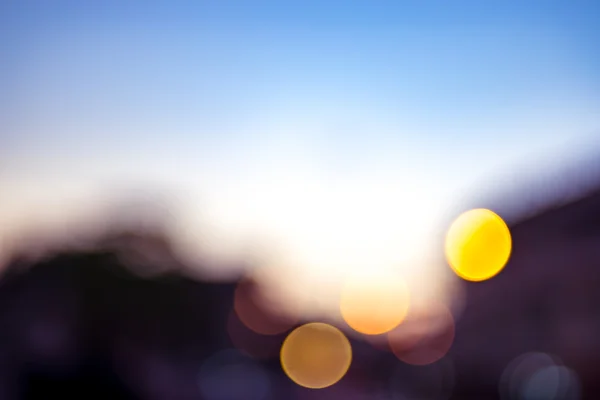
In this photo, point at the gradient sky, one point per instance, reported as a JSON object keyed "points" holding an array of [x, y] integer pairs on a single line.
{"points": [[250, 105]]}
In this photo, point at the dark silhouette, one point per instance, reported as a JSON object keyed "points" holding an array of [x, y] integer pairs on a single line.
{"points": [[546, 300], [83, 323], [97, 304]]}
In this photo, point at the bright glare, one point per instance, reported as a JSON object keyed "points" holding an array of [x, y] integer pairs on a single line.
{"points": [[478, 245], [373, 307], [316, 355], [317, 229]]}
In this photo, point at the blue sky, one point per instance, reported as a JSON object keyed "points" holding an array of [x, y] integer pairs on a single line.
{"points": [[217, 98]]}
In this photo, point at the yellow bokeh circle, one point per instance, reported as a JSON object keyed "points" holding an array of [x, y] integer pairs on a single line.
{"points": [[316, 355], [478, 245], [374, 307]]}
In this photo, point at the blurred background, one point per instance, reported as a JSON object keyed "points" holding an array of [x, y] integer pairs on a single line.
{"points": [[185, 185]]}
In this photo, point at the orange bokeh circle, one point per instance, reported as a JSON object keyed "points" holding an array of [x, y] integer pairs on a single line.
{"points": [[374, 307]]}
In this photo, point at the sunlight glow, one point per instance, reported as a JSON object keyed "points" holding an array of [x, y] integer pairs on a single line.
{"points": [[373, 306]]}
